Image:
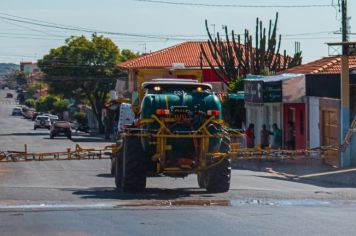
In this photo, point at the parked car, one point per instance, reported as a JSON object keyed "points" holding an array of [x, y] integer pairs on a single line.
{"points": [[35, 114], [31, 113], [17, 111], [61, 128], [42, 122], [81, 127], [28, 112], [53, 118]]}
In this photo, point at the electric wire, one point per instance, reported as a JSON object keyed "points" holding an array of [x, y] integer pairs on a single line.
{"points": [[233, 5]]}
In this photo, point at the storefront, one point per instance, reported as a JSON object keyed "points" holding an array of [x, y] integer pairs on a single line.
{"points": [[277, 99]]}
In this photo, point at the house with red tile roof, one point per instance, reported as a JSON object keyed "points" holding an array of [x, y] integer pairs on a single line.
{"points": [[322, 82], [325, 65], [183, 60]]}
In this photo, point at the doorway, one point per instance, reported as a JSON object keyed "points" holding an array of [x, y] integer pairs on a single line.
{"points": [[295, 113], [330, 135]]}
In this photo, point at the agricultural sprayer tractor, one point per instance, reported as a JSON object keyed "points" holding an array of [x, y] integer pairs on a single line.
{"points": [[179, 131]]}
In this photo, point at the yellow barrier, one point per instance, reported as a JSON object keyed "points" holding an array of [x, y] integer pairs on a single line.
{"points": [[78, 153]]}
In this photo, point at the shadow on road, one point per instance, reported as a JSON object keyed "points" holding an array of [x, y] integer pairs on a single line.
{"points": [[24, 134], [89, 140], [312, 172], [105, 175], [148, 194]]}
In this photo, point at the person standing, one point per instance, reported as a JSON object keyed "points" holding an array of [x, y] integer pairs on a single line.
{"points": [[277, 137], [250, 136], [290, 136], [265, 137]]}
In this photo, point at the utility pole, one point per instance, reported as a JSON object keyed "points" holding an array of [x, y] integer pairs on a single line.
{"points": [[344, 88]]}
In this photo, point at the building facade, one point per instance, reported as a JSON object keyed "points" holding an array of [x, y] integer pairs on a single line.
{"points": [[322, 78]]}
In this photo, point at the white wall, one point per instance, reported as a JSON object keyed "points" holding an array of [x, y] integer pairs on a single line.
{"points": [[314, 119], [255, 115], [259, 115]]}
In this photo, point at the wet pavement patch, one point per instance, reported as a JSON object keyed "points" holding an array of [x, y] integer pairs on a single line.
{"points": [[289, 202], [127, 204], [183, 202]]}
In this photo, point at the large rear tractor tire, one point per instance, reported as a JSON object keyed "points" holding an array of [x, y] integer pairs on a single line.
{"points": [[202, 179], [218, 177], [134, 171], [112, 166]]}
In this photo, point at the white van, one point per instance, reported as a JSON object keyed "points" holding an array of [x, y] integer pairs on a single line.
{"points": [[126, 116]]}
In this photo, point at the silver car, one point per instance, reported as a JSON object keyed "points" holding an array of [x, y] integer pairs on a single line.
{"points": [[42, 122]]}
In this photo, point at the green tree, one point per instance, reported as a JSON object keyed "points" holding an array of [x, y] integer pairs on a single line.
{"points": [[30, 102], [20, 78], [46, 103], [60, 106], [127, 54], [32, 88], [84, 69]]}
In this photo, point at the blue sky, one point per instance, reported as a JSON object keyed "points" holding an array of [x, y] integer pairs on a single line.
{"points": [[310, 26]]}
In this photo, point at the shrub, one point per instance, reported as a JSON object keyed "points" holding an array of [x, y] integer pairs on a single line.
{"points": [[60, 106], [30, 102]]}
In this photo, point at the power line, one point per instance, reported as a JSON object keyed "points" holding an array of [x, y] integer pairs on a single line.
{"points": [[41, 21], [70, 28], [29, 28], [233, 5], [36, 38], [167, 37]]}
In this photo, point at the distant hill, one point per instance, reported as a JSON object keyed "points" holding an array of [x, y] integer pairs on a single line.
{"points": [[6, 68]]}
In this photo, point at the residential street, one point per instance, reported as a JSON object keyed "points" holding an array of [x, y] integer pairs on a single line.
{"points": [[79, 197]]}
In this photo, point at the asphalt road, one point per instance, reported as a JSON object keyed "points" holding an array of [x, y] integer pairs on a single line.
{"points": [[79, 198]]}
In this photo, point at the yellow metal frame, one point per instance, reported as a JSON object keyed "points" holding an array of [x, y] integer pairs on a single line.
{"points": [[202, 135], [78, 153]]}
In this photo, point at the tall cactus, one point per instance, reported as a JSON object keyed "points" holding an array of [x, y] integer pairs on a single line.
{"points": [[232, 58]]}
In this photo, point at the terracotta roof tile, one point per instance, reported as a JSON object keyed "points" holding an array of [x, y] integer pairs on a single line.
{"points": [[326, 65], [188, 53]]}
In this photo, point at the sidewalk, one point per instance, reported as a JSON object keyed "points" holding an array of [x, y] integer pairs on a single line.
{"points": [[303, 170]]}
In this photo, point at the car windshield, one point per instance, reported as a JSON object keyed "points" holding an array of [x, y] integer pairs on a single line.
{"points": [[42, 118]]}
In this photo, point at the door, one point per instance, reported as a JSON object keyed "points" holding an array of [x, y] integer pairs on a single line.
{"points": [[330, 135], [294, 113], [314, 122]]}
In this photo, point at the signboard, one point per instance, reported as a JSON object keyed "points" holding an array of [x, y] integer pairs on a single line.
{"points": [[253, 91], [272, 91], [259, 91], [294, 89]]}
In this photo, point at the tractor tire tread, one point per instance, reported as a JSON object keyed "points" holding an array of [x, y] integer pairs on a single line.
{"points": [[134, 178]]}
